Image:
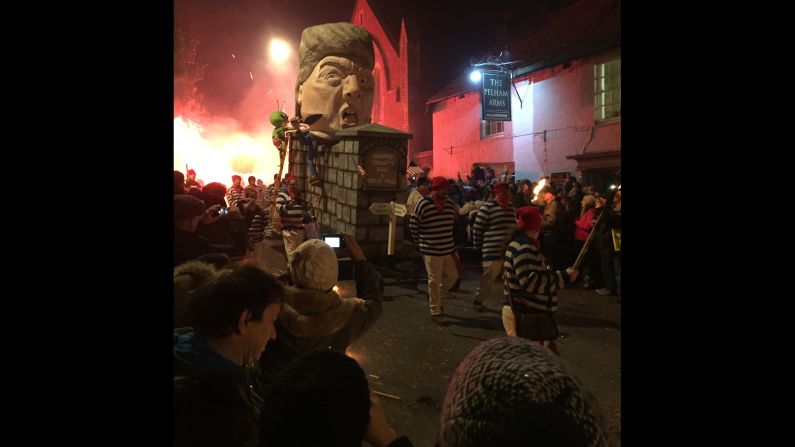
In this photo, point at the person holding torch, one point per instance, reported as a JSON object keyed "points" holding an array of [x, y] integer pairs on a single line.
{"points": [[531, 286]]}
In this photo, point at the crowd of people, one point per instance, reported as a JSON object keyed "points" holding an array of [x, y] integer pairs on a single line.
{"points": [[486, 208], [259, 356]]}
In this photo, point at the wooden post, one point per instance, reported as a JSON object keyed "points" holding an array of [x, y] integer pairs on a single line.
{"points": [[391, 246], [278, 183]]}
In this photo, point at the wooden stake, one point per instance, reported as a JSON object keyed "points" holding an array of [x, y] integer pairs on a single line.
{"points": [[378, 393], [391, 244]]}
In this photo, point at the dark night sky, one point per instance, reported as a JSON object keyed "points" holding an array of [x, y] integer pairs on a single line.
{"points": [[450, 33]]}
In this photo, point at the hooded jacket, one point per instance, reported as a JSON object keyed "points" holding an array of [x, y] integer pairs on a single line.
{"points": [[312, 319], [187, 277]]}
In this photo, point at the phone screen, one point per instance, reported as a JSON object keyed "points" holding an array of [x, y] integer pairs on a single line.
{"points": [[332, 241]]}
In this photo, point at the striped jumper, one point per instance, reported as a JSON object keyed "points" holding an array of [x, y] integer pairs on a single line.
{"points": [[528, 281], [492, 225], [432, 229], [292, 216]]}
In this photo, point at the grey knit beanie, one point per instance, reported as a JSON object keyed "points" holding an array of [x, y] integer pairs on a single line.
{"points": [[314, 266], [510, 391]]}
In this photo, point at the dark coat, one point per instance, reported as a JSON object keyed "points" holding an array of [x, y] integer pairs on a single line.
{"points": [[214, 402], [189, 246]]}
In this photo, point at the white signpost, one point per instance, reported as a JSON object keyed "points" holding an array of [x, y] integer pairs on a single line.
{"points": [[392, 209]]}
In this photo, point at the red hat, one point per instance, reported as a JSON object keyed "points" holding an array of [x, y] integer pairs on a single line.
{"points": [[191, 172], [439, 183], [497, 185], [529, 218]]}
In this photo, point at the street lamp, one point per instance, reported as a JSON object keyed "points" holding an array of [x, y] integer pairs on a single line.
{"points": [[279, 50], [474, 76]]}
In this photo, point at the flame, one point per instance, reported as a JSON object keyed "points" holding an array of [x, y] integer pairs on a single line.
{"points": [[358, 357], [216, 156], [336, 289], [538, 187]]}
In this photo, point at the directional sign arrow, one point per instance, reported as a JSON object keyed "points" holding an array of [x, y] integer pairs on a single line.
{"points": [[400, 210], [380, 208]]}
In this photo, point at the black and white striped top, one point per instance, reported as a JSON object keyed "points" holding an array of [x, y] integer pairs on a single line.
{"points": [[233, 196], [492, 225], [263, 199], [433, 230], [292, 216], [256, 232], [528, 282]]}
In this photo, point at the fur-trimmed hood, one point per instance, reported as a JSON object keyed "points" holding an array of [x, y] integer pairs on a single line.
{"points": [[197, 270], [311, 313], [187, 278]]}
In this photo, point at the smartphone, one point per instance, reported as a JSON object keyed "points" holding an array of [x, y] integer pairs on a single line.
{"points": [[334, 240]]}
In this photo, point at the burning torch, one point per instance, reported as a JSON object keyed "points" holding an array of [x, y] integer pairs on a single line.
{"points": [[538, 188]]}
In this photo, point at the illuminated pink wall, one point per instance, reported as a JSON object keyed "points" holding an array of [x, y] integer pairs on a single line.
{"points": [[456, 122], [558, 101]]}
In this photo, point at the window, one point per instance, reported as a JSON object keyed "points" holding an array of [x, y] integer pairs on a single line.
{"points": [[607, 90], [489, 128]]}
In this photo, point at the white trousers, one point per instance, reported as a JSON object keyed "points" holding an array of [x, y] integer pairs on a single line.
{"points": [[508, 321], [292, 239], [488, 289], [441, 276]]}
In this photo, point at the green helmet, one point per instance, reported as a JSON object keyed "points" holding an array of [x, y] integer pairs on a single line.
{"points": [[278, 118]]}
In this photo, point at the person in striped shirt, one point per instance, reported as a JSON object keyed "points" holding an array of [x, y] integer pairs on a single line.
{"points": [[292, 209], [273, 229], [531, 286], [432, 230], [263, 200], [423, 188], [494, 221], [256, 230], [235, 192]]}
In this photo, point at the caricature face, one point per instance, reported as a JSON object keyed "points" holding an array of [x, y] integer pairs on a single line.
{"points": [[341, 91]]}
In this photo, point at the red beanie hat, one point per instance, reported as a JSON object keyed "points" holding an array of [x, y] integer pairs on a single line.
{"points": [[500, 185], [439, 183], [529, 218]]}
